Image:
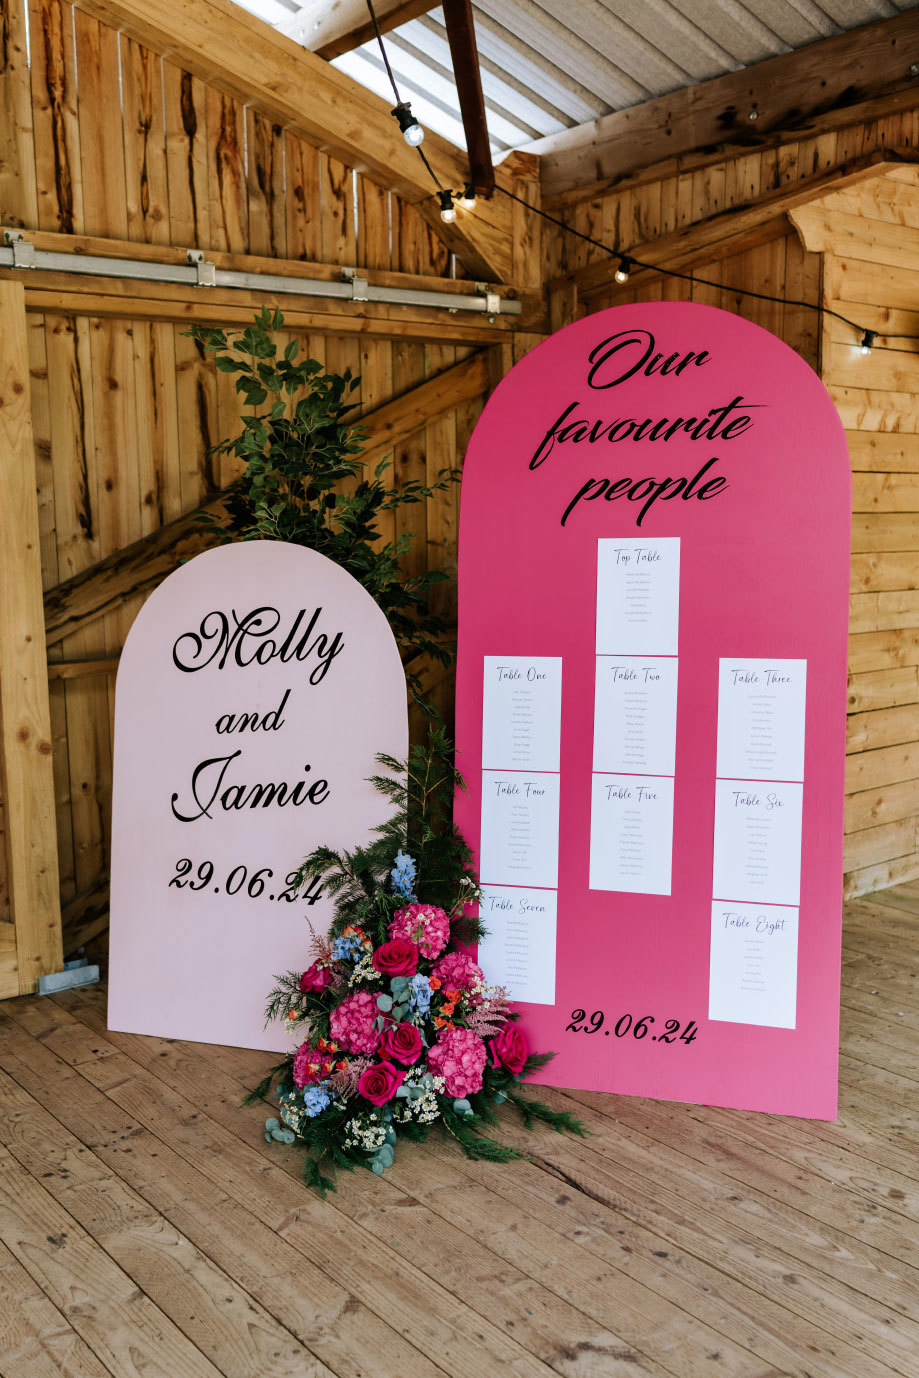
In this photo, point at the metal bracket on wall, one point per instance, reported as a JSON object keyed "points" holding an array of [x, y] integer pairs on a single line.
{"points": [[359, 285], [23, 251], [207, 271], [492, 299]]}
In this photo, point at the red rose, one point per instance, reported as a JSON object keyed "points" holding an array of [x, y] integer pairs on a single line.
{"points": [[315, 978], [398, 957], [402, 1043], [379, 1083], [509, 1049]]}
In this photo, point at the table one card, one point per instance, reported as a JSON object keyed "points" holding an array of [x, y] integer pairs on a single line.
{"points": [[754, 964], [638, 596], [519, 843], [518, 951], [631, 833], [761, 719], [635, 715], [521, 712], [757, 841]]}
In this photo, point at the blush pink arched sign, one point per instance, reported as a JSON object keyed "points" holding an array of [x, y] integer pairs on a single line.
{"points": [[255, 690], [653, 584]]}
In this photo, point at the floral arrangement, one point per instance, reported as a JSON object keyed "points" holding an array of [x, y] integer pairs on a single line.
{"points": [[398, 1029]]}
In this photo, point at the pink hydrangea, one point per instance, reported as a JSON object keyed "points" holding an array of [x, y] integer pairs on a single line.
{"points": [[459, 1057], [352, 1023], [311, 1064], [457, 971], [303, 1072], [423, 924]]}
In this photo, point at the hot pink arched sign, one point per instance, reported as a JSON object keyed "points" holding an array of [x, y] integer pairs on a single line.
{"points": [[653, 584], [255, 691]]}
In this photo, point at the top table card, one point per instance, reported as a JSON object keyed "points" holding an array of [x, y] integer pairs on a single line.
{"points": [[761, 719], [638, 596]]}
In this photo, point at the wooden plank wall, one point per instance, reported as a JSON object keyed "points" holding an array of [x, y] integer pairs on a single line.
{"points": [[125, 411], [876, 273], [871, 272]]}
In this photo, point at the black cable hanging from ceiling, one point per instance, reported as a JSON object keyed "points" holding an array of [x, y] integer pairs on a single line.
{"points": [[627, 261]]}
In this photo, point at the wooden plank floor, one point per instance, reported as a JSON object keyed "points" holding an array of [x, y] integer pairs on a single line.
{"points": [[148, 1231]]}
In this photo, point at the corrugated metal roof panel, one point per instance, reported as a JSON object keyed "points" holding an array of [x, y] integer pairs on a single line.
{"points": [[550, 64]]}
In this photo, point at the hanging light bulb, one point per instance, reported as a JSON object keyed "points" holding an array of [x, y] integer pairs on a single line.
{"points": [[868, 340], [447, 208], [412, 132], [467, 200], [625, 267]]}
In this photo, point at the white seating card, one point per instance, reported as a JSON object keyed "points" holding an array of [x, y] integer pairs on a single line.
{"points": [[638, 596], [761, 719], [635, 715], [522, 712], [754, 964], [631, 832], [518, 951], [757, 841], [519, 828]]}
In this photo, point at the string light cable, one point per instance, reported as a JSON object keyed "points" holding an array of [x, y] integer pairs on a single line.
{"points": [[867, 338], [412, 131], [626, 261]]}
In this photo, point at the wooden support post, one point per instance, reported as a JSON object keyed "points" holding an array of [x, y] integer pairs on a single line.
{"points": [[526, 234], [25, 716]]}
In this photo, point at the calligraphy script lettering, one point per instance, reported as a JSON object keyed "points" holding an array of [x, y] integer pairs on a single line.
{"points": [[208, 789], [633, 354], [250, 639]]}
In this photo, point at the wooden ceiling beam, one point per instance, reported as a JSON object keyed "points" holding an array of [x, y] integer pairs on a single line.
{"points": [[465, 55], [329, 30], [838, 81], [241, 55]]}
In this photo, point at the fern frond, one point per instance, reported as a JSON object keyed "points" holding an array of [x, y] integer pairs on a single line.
{"points": [[265, 1087], [536, 1111]]}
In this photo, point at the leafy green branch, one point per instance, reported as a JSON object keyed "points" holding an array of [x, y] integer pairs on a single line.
{"points": [[304, 481]]}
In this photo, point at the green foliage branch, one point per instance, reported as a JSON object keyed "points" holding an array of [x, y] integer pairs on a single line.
{"points": [[304, 481]]}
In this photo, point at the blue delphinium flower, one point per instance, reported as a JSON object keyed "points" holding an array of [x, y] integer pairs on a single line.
{"points": [[315, 1099], [420, 993], [344, 949], [403, 876]]}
